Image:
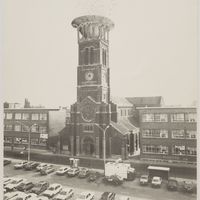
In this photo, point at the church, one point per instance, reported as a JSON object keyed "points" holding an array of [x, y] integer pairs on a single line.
{"points": [[96, 119]]}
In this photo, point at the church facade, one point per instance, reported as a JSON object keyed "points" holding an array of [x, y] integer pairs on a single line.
{"points": [[94, 118]]}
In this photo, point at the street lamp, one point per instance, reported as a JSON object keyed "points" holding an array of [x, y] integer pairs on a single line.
{"points": [[29, 136], [104, 142]]}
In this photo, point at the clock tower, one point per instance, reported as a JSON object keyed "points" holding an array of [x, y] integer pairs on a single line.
{"points": [[93, 106]]}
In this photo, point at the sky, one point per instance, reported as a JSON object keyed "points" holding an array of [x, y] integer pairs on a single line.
{"points": [[153, 49]]}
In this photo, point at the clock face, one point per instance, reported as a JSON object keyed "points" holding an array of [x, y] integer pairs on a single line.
{"points": [[89, 76]]}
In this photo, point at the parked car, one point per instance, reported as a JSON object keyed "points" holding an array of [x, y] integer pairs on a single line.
{"points": [[84, 172], [41, 198], [64, 194], [52, 190], [25, 186], [14, 183], [86, 196], [47, 170], [6, 162], [62, 170], [24, 196], [11, 195], [156, 181], [172, 184], [144, 179], [20, 165], [31, 196], [93, 176], [108, 196], [188, 186], [73, 172], [114, 179], [31, 165], [41, 166], [124, 197], [6, 181], [40, 187]]}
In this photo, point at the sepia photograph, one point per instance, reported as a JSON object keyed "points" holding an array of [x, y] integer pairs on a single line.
{"points": [[99, 100]]}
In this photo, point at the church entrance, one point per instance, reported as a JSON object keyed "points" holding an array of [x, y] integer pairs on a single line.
{"points": [[88, 146]]}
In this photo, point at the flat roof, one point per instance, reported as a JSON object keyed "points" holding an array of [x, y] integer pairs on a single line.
{"points": [[158, 168], [49, 109], [168, 107]]}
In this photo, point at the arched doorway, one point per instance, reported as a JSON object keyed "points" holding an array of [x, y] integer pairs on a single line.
{"points": [[88, 146]]}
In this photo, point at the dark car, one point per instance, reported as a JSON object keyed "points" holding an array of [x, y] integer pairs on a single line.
{"points": [[108, 196], [47, 170], [40, 187], [93, 176], [188, 186], [6, 162], [172, 184], [114, 180], [84, 172], [25, 186], [31, 165]]}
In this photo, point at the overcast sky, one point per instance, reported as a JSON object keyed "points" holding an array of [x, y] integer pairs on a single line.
{"points": [[153, 49]]}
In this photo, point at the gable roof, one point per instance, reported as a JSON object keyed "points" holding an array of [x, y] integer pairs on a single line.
{"points": [[146, 101], [120, 101]]}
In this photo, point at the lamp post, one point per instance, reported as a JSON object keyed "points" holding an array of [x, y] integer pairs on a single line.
{"points": [[29, 137], [104, 142]]}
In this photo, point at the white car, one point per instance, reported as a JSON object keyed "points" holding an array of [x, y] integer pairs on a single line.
{"points": [[10, 195], [64, 194], [52, 190], [73, 171], [41, 166], [20, 165], [86, 196], [14, 183], [41, 198], [6, 180], [124, 197], [62, 170], [24, 196], [156, 181]]}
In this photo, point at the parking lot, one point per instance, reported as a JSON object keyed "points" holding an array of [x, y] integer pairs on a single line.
{"points": [[128, 188]]}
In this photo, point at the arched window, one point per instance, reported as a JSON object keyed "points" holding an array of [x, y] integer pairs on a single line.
{"points": [[92, 55], [86, 57]]}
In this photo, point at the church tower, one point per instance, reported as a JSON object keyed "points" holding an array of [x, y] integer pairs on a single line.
{"points": [[93, 107]]}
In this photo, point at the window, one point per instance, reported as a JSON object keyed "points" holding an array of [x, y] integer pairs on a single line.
{"points": [[190, 117], [8, 115], [18, 116], [179, 117], [35, 116], [34, 141], [178, 150], [17, 127], [160, 118], [25, 116], [147, 117], [43, 129], [86, 57], [192, 151], [43, 116], [178, 134], [34, 128], [7, 139], [25, 128], [42, 142], [154, 133], [153, 149], [191, 134], [88, 127], [8, 127], [92, 55]]}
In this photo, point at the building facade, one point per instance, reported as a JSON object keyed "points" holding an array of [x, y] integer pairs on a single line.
{"points": [[168, 133], [41, 123]]}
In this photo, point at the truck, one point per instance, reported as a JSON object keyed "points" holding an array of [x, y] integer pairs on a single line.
{"points": [[123, 170]]}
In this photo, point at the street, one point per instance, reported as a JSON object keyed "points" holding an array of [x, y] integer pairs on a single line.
{"points": [[129, 188]]}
